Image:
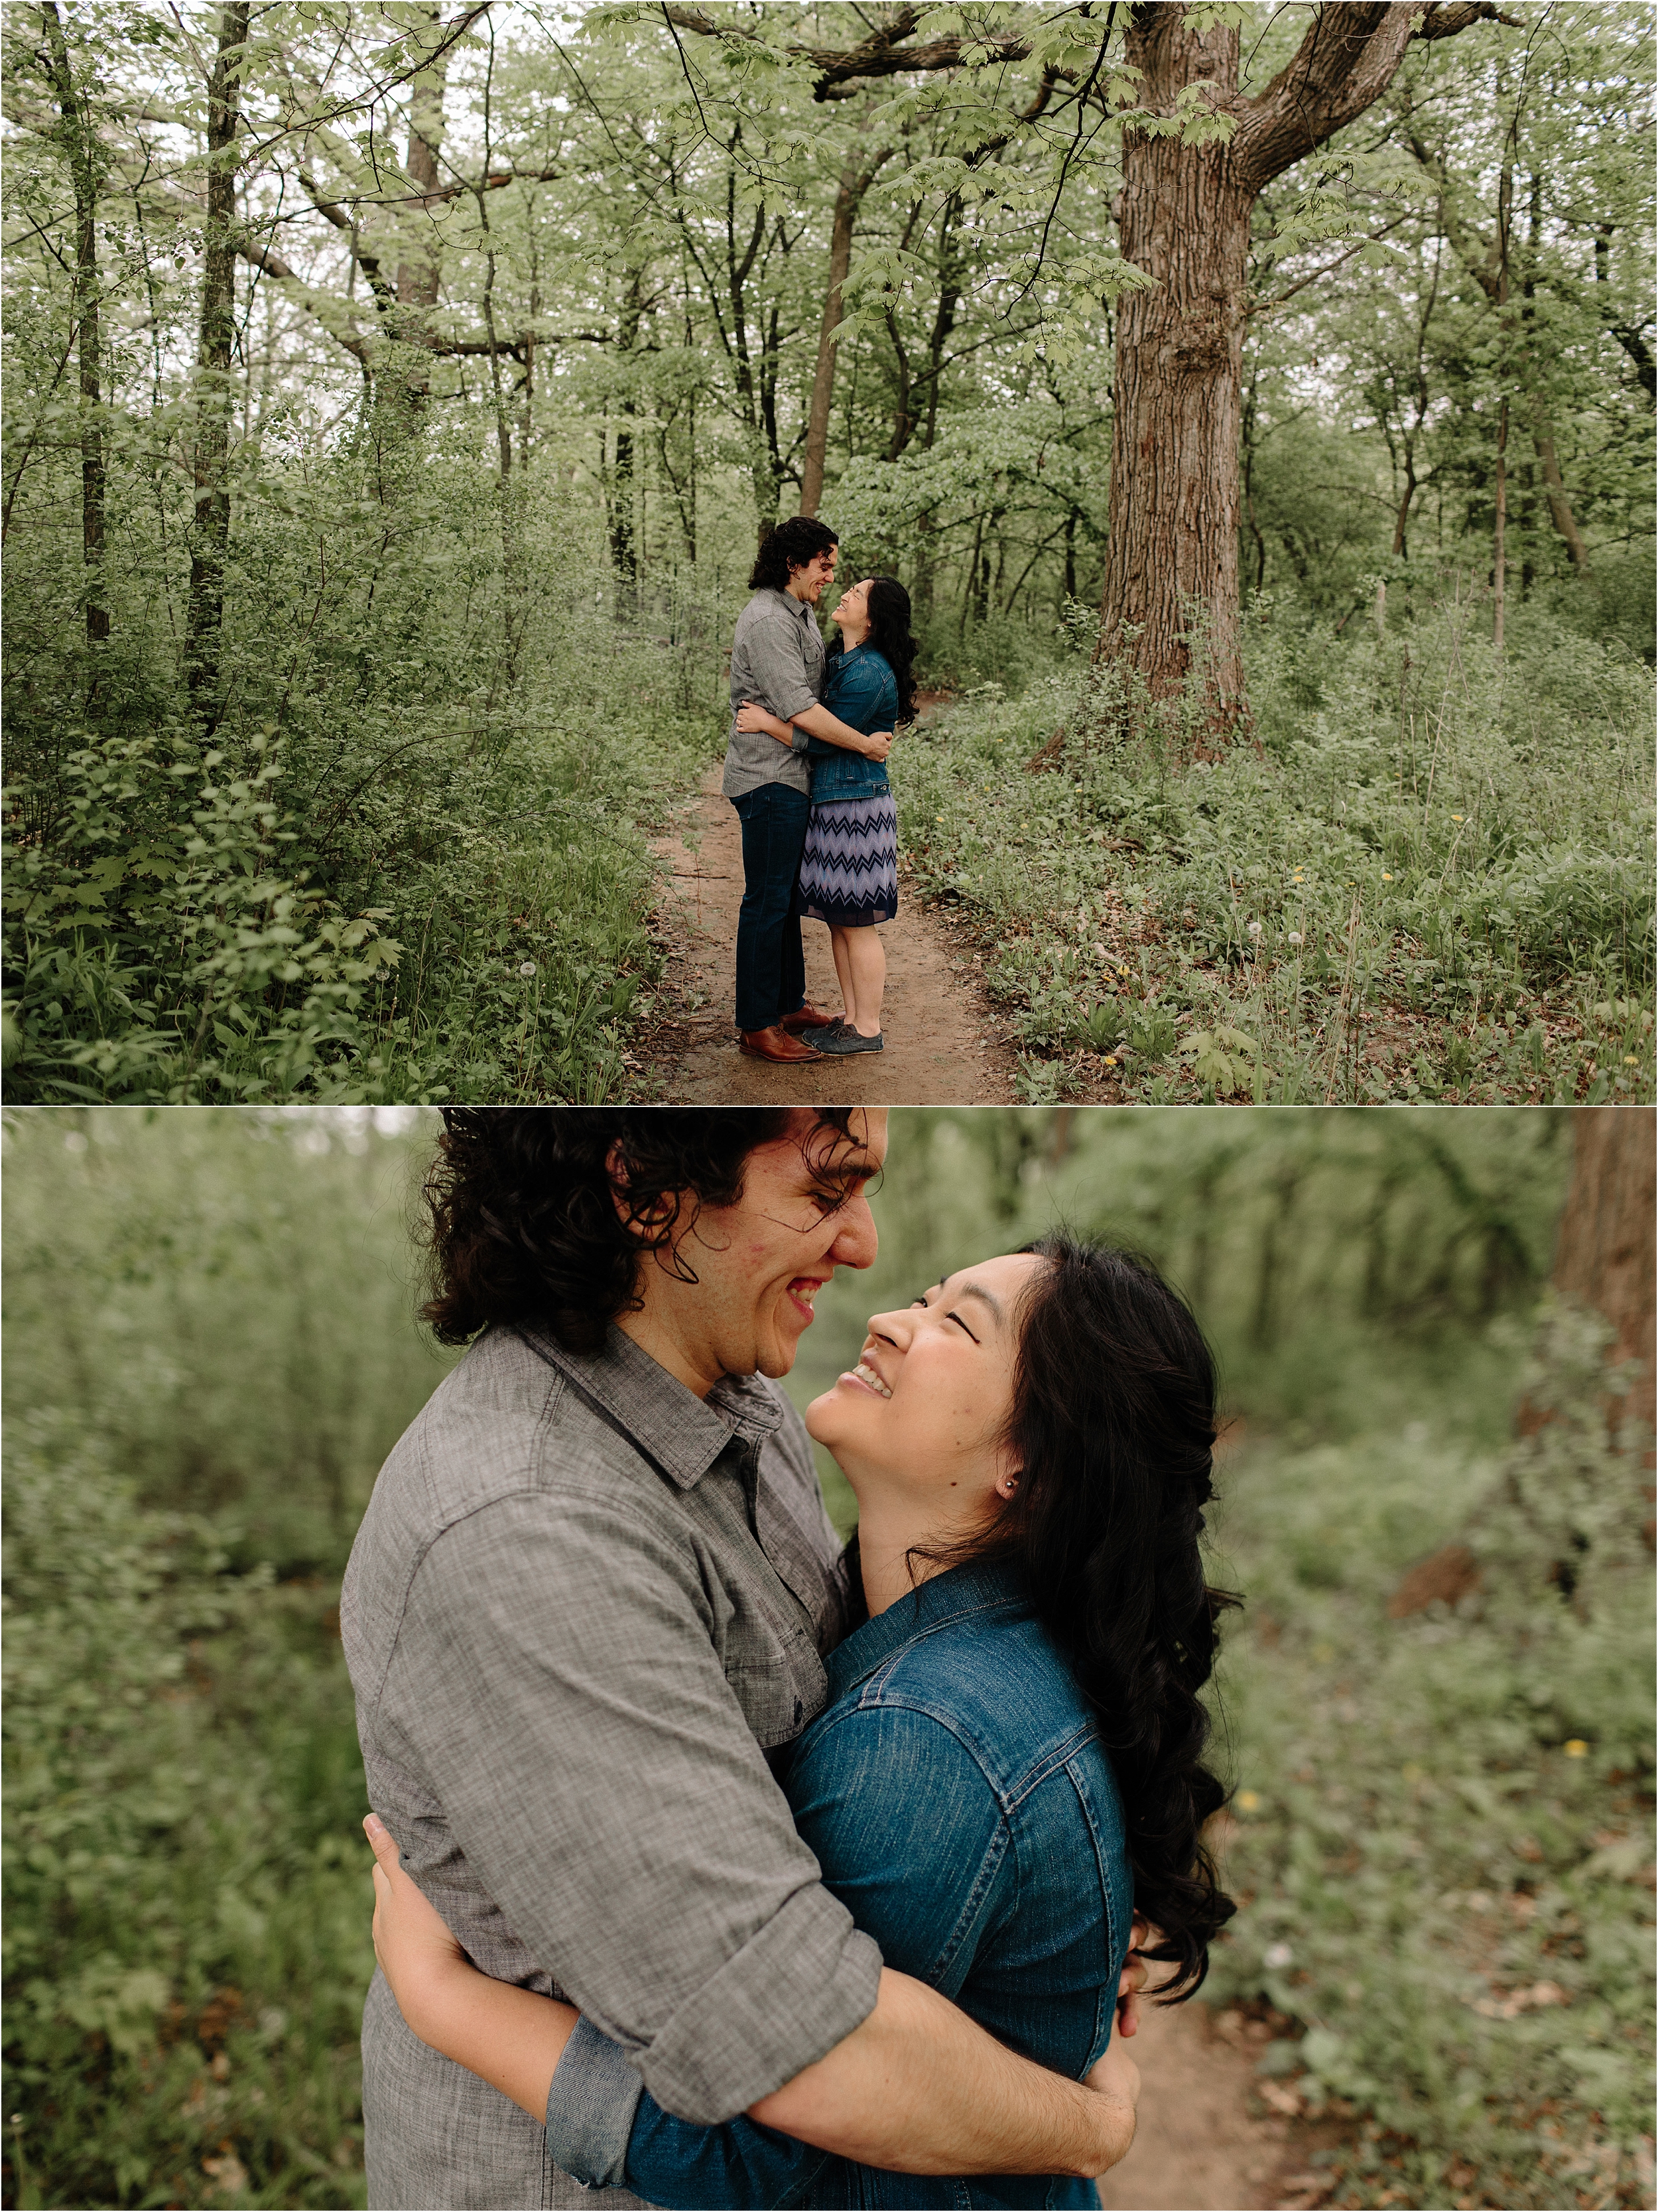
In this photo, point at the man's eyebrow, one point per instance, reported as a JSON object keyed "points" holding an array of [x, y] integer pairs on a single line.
{"points": [[858, 1167]]}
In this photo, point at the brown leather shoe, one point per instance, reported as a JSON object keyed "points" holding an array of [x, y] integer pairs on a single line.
{"points": [[777, 1044], [805, 1018]]}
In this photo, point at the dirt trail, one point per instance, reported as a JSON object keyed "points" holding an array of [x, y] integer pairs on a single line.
{"points": [[1198, 2146], [944, 1047]]}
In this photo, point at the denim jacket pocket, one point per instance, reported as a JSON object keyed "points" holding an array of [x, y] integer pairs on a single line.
{"points": [[837, 773]]}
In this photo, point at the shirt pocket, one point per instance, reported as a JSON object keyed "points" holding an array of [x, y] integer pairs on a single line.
{"points": [[778, 1680]]}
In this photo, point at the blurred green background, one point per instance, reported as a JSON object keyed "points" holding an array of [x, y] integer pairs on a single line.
{"points": [[1441, 1831]]}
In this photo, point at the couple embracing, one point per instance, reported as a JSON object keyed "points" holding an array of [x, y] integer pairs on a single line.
{"points": [[805, 770], [716, 1865]]}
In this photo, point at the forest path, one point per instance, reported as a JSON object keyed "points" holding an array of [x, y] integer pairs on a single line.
{"points": [[1198, 2146], [942, 1044]]}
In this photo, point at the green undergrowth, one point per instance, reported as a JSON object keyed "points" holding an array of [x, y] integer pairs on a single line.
{"points": [[186, 1941], [1430, 880], [1441, 1838], [208, 1319], [399, 854]]}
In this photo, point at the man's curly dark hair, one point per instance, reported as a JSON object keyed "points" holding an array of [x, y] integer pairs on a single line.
{"points": [[788, 545], [523, 1203]]}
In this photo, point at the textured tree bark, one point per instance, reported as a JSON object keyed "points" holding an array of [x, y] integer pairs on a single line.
{"points": [[1172, 553], [78, 143], [215, 396], [1605, 1255]]}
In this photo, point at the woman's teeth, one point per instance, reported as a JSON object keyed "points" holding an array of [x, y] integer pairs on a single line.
{"points": [[865, 1374]]}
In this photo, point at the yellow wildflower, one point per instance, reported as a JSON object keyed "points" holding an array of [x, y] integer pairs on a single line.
{"points": [[1575, 1747]]}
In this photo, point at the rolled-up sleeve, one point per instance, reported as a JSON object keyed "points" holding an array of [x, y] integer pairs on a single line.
{"points": [[557, 1678], [778, 662]]}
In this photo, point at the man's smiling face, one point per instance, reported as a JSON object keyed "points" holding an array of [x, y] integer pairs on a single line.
{"points": [[759, 1263], [810, 582]]}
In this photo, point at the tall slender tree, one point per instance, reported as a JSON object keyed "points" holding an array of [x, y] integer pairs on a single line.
{"points": [[78, 140], [215, 395]]}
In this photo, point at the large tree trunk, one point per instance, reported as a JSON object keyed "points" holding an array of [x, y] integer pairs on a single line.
{"points": [[1172, 562], [214, 395], [78, 146], [1172, 555], [1605, 1257]]}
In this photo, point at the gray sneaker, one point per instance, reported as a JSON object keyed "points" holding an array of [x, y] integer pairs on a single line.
{"points": [[829, 1030], [845, 1039]]}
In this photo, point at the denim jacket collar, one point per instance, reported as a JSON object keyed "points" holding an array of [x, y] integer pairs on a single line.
{"points": [[976, 1588], [682, 1433]]}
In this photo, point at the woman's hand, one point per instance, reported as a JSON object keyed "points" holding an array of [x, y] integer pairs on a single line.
{"points": [[1117, 2075], [509, 2037], [418, 1956], [750, 717], [1133, 1980]]}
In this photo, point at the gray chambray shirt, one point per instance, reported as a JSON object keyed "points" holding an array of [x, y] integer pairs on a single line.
{"points": [[777, 661], [582, 1604]]}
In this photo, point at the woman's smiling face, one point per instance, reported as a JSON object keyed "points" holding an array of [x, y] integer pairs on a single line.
{"points": [[922, 1412], [853, 607]]}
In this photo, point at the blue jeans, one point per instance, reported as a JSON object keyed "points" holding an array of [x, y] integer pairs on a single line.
{"points": [[771, 969]]}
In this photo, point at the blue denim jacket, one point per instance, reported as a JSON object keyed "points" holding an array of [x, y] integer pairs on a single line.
{"points": [[960, 1805], [861, 689]]}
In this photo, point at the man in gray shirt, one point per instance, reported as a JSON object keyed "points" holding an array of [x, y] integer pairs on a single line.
{"points": [[777, 662], [593, 1588]]}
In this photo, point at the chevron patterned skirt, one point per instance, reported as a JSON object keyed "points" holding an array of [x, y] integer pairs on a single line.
{"points": [[849, 870]]}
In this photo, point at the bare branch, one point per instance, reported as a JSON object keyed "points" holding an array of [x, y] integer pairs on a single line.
{"points": [[1347, 59]]}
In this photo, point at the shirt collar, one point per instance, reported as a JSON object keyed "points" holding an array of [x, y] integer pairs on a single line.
{"points": [[788, 600], [976, 1588], [682, 1433]]}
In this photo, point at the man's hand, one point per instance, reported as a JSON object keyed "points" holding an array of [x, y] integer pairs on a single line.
{"points": [[877, 745]]}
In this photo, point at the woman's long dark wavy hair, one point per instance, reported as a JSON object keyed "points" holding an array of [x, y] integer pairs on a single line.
{"points": [[889, 634], [522, 1204], [1112, 1427]]}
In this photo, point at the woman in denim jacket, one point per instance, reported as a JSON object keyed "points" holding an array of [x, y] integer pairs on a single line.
{"points": [[1007, 1778], [849, 869]]}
